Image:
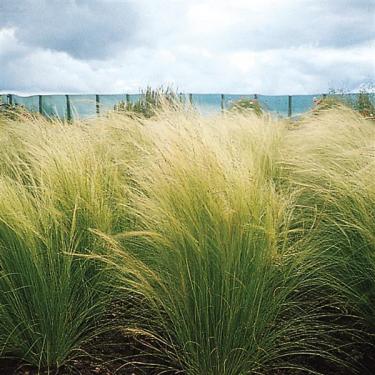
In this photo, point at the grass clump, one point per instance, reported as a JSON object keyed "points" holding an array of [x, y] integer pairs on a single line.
{"points": [[233, 244], [363, 102], [150, 102], [224, 285], [244, 105], [59, 184], [336, 171]]}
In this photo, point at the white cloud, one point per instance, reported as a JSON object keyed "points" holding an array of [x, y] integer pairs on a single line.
{"points": [[273, 47]]}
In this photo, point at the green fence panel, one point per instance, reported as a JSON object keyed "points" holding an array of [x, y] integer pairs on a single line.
{"points": [[107, 102], [231, 99], [207, 103], [82, 106], [31, 103], [85, 106], [276, 104], [55, 106], [3, 99], [303, 103]]}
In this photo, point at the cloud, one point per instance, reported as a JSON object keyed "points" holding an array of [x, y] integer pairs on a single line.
{"points": [[85, 29], [273, 47], [264, 25]]}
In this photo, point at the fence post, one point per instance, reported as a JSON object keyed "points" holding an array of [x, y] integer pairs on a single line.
{"points": [[127, 98], [40, 104], [191, 98], [68, 109], [289, 105], [97, 104], [222, 103], [256, 96], [10, 99]]}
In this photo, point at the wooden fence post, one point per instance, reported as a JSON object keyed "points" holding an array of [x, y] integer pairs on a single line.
{"points": [[191, 98], [40, 104], [289, 105], [68, 109], [10, 99], [222, 102], [97, 104]]}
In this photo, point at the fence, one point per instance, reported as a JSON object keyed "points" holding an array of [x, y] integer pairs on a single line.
{"points": [[84, 106]]}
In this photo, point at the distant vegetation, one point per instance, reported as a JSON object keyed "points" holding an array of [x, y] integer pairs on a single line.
{"points": [[150, 102], [364, 105], [245, 105], [364, 102], [12, 112]]}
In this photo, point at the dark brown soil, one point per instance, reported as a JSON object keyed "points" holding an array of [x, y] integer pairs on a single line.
{"points": [[120, 357], [114, 353], [116, 360]]}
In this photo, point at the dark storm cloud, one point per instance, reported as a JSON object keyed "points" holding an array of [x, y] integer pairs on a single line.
{"points": [[85, 29]]}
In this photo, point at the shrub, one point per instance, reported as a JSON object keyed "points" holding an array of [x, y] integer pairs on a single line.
{"points": [[362, 102], [150, 102], [365, 105], [246, 105]]}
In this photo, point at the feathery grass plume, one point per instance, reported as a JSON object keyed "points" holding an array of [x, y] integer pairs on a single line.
{"points": [[335, 168], [239, 242], [219, 284], [66, 181], [49, 301]]}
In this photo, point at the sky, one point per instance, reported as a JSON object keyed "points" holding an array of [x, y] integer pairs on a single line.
{"points": [[270, 47]]}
